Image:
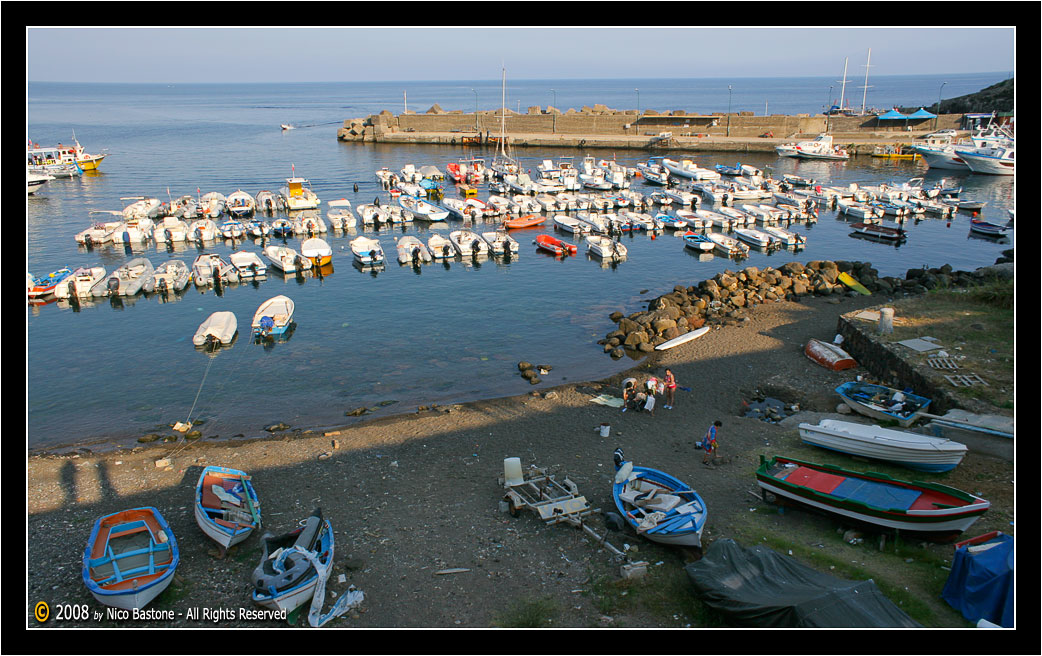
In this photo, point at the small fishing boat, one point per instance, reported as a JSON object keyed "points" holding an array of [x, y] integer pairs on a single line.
{"points": [[171, 276], [211, 204], [269, 201], [728, 245], [293, 564], [298, 196], [340, 215], [232, 229], [80, 282], [273, 317], [871, 498], [133, 277], [754, 237], [211, 269], [879, 231], [309, 223], [526, 221], [569, 224], [468, 243], [738, 217], [422, 209], [317, 250], [697, 241], [134, 231], [440, 247], [46, 285], [143, 208], [670, 221], [286, 259], [202, 230], [785, 237], [240, 204], [170, 229], [130, 558], [605, 248], [217, 330], [988, 228], [828, 355], [656, 505], [282, 228], [554, 245], [367, 250], [686, 168], [227, 508], [911, 450], [412, 251], [98, 233], [683, 339], [501, 243], [248, 264], [883, 403]]}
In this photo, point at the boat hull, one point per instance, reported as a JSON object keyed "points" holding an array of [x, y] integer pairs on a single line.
{"points": [[828, 355], [865, 399], [680, 524], [226, 533], [914, 451], [140, 538]]}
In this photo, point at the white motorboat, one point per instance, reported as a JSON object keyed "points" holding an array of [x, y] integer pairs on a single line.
{"points": [[211, 269], [501, 243], [422, 209], [785, 237], [728, 245], [258, 229], [373, 215], [570, 224], [317, 250], [605, 247], [440, 246], [211, 204], [738, 217], [687, 168], [134, 231], [171, 276], [232, 229], [298, 196], [367, 250], [412, 251], [240, 204], [202, 230], [692, 218], [753, 237], [859, 210], [286, 259], [143, 208], [80, 282], [459, 208], [274, 317], [170, 229], [269, 201], [468, 243], [135, 276], [218, 328], [98, 233], [998, 160], [34, 182], [309, 223], [682, 197], [282, 227], [595, 222], [911, 450], [248, 264]]}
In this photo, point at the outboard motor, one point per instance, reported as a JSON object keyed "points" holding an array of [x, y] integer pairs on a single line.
{"points": [[113, 286]]}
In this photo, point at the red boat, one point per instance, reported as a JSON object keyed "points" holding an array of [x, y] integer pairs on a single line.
{"points": [[526, 221], [454, 172], [555, 245], [828, 355], [876, 230]]}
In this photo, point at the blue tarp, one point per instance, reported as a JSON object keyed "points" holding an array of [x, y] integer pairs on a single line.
{"points": [[921, 113], [878, 495], [980, 585], [893, 113]]}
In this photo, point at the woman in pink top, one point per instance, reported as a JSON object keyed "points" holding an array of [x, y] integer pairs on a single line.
{"points": [[671, 388]]}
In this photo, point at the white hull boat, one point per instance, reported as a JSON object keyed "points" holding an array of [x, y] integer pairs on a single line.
{"points": [[286, 259], [440, 247], [367, 251], [605, 248], [753, 237], [728, 245], [501, 243], [170, 230], [911, 450], [80, 282], [248, 264], [209, 268], [240, 204], [570, 224], [218, 329], [227, 508], [297, 196], [991, 161], [412, 251], [133, 277], [202, 230], [171, 276], [317, 250], [273, 317], [467, 243]]}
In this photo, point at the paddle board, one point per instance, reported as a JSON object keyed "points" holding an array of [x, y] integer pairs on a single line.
{"points": [[686, 337], [853, 284]]}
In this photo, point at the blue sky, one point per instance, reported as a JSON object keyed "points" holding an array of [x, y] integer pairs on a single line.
{"points": [[144, 54]]}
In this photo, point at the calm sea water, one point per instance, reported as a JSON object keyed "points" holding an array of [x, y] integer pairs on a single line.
{"points": [[113, 371]]}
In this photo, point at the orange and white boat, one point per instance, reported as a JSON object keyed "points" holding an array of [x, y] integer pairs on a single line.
{"points": [[526, 221], [556, 246], [130, 558], [828, 355]]}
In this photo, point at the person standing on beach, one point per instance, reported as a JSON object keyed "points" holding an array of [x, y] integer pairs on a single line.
{"points": [[671, 388], [709, 445]]}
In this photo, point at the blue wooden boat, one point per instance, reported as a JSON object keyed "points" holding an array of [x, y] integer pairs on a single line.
{"points": [[130, 558], [226, 505], [988, 228], [883, 403], [698, 242], [657, 505], [273, 317]]}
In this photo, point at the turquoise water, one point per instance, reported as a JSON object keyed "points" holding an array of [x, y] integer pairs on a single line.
{"points": [[446, 333]]}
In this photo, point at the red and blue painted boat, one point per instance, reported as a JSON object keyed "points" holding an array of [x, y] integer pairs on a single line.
{"points": [[870, 497]]}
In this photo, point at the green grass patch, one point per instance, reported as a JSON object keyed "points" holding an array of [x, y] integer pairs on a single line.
{"points": [[528, 614], [664, 596]]}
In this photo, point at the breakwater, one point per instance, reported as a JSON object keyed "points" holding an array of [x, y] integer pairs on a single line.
{"points": [[601, 127]]}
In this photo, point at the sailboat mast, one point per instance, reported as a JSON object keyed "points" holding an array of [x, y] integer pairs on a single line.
{"points": [[864, 98], [843, 88]]}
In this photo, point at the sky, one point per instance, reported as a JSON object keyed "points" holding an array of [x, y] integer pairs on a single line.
{"points": [[323, 54]]}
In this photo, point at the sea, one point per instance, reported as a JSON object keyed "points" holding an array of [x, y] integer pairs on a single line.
{"points": [[104, 372]]}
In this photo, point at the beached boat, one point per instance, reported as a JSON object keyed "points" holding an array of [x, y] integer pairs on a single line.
{"points": [[293, 564], [911, 450], [728, 245], [80, 282], [130, 558], [133, 277], [412, 251], [871, 498], [367, 250], [883, 403], [683, 339], [248, 264], [273, 317], [828, 355], [440, 247], [554, 245], [212, 269], [697, 241], [217, 330], [501, 243], [46, 285], [656, 505], [879, 231], [286, 259], [468, 243], [988, 228], [240, 204], [317, 250], [605, 247], [171, 276], [227, 508], [296, 195]]}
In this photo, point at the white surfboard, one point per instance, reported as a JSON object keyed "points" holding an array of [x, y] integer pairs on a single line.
{"points": [[686, 337]]}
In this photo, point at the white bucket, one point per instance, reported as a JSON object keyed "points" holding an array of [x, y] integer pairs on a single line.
{"points": [[886, 321], [512, 471], [605, 429]]}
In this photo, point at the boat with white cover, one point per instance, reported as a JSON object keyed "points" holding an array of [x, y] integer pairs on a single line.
{"points": [[317, 250], [202, 230], [340, 215], [218, 329], [911, 450], [133, 277]]}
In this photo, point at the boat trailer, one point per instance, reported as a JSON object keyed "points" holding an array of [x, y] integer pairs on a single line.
{"points": [[553, 501]]}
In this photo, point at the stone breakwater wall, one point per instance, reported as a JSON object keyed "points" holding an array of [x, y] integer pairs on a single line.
{"points": [[722, 299]]}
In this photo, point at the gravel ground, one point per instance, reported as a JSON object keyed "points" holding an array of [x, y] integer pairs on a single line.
{"points": [[413, 495]]}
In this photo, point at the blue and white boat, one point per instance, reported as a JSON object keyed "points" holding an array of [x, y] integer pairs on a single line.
{"points": [[273, 317], [698, 242], [883, 403], [227, 508], [286, 578], [657, 505], [130, 558], [911, 450], [988, 228]]}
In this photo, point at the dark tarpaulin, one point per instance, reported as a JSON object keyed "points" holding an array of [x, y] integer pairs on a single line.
{"points": [[758, 587]]}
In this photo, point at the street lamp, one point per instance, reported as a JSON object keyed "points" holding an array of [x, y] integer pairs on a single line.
{"points": [[828, 111], [638, 111], [728, 109], [554, 108], [475, 109], [937, 118]]}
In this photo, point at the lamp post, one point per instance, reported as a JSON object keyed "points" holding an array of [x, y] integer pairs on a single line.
{"points": [[475, 109], [638, 112], [554, 108], [828, 111], [729, 110], [938, 117]]}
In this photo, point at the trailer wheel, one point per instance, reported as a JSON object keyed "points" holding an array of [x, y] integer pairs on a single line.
{"points": [[511, 508]]}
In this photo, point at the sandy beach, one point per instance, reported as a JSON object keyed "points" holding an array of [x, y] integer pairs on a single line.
{"points": [[411, 496]]}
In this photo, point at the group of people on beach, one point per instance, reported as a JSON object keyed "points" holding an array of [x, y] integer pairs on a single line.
{"points": [[643, 399]]}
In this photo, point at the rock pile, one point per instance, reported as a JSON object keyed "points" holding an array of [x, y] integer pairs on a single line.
{"points": [[721, 300]]}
